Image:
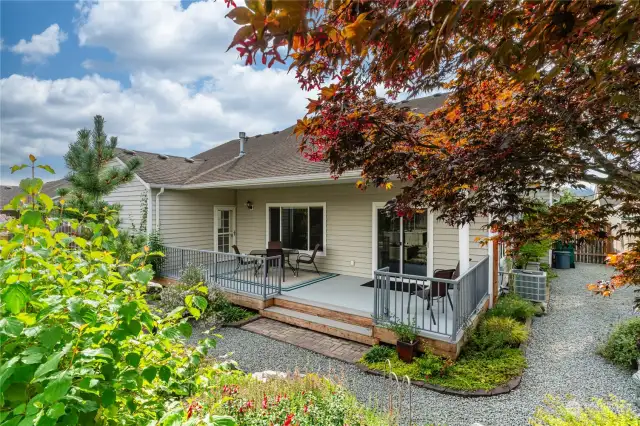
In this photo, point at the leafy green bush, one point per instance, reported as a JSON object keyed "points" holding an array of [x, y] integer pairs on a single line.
{"points": [[513, 306], [613, 412], [308, 400], [79, 342], [127, 244], [621, 347], [379, 353], [532, 252], [404, 332], [497, 333], [217, 308], [156, 245]]}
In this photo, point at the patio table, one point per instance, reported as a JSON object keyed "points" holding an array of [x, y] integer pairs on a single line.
{"points": [[287, 252]]}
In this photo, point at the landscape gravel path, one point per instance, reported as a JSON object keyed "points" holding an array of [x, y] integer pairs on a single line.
{"points": [[561, 356]]}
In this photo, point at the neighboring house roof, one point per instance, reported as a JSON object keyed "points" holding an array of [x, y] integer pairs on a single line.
{"points": [[271, 155], [8, 193]]}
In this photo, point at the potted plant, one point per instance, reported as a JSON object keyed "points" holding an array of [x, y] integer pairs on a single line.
{"points": [[406, 339]]}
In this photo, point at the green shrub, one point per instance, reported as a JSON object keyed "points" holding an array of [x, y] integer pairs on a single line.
{"points": [[404, 332], [613, 412], [497, 333], [379, 353], [191, 289], [621, 347], [156, 245], [513, 306], [79, 342]]}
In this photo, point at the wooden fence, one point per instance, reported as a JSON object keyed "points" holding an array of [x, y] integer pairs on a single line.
{"points": [[593, 251]]}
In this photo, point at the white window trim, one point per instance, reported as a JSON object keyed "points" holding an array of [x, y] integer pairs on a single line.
{"points": [[215, 225], [324, 224]]}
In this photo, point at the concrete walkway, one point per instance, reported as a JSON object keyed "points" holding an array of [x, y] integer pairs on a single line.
{"points": [[561, 357]]}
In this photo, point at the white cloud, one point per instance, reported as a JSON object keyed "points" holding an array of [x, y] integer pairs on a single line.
{"points": [[41, 45], [162, 39], [185, 94], [42, 116]]}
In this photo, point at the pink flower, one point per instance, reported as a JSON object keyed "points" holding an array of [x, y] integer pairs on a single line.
{"points": [[264, 402]]}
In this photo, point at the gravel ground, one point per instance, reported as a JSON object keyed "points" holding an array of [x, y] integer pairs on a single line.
{"points": [[561, 357]]}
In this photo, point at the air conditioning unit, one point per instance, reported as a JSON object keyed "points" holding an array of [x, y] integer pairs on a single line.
{"points": [[530, 285]]}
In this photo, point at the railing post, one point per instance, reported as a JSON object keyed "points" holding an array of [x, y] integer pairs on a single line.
{"points": [[280, 274], [375, 296], [456, 310], [265, 264], [215, 267]]}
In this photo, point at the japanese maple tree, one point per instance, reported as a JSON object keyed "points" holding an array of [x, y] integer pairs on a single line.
{"points": [[540, 95]]}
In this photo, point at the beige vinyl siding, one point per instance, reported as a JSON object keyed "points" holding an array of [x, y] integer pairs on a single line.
{"points": [[130, 197], [348, 221], [445, 244], [186, 217], [349, 215]]}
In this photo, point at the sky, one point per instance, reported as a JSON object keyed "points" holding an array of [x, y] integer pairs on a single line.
{"points": [[158, 71]]}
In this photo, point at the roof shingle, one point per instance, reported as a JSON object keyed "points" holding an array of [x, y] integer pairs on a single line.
{"points": [[270, 155]]}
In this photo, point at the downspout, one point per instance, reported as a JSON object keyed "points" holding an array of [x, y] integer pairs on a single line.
{"points": [[158, 208]]}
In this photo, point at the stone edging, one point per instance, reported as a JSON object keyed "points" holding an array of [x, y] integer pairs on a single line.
{"points": [[500, 390], [238, 324]]}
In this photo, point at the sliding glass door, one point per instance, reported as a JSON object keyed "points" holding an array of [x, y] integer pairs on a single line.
{"points": [[402, 243]]}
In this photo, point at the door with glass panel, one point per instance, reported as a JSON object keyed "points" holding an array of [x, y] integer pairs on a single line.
{"points": [[402, 243], [225, 228]]}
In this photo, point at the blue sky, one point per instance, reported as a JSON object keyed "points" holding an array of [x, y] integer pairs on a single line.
{"points": [[157, 71]]}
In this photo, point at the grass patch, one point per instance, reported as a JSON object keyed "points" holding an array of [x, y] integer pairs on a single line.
{"points": [[472, 371]]}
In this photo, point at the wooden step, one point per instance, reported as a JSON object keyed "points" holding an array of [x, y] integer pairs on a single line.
{"points": [[328, 326], [345, 315]]}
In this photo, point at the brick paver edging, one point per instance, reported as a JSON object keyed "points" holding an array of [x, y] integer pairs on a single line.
{"points": [[323, 344], [511, 385]]}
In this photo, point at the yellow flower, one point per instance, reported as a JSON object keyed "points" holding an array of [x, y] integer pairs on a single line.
{"points": [[146, 249]]}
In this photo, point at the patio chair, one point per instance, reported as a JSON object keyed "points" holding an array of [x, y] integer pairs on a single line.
{"points": [[273, 252], [274, 245], [437, 290], [307, 259], [243, 261]]}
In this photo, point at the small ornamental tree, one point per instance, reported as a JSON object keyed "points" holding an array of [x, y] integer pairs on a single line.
{"points": [[541, 95], [90, 176], [80, 345]]}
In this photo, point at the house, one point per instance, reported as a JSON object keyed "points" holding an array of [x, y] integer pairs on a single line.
{"points": [[9, 192], [257, 189]]}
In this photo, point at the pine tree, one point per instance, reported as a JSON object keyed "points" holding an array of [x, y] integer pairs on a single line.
{"points": [[90, 175]]}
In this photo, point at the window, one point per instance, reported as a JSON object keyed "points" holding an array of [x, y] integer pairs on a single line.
{"points": [[299, 227]]}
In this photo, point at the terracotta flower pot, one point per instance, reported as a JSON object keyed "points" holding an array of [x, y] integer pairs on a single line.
{"points": [[406, 351]]}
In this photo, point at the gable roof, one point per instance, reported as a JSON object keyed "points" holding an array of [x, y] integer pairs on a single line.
{"points": [[269, 156]]}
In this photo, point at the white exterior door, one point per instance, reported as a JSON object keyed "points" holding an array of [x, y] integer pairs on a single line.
{"points": [[224, 228]]}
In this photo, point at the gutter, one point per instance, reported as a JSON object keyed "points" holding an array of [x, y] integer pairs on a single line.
{"points": [[306, 178], [158, 208]]}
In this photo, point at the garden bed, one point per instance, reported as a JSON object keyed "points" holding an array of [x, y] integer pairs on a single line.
{"points": [[492, 363]]}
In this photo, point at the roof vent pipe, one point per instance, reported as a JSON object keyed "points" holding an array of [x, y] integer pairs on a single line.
{"points": [[243, 137]]}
